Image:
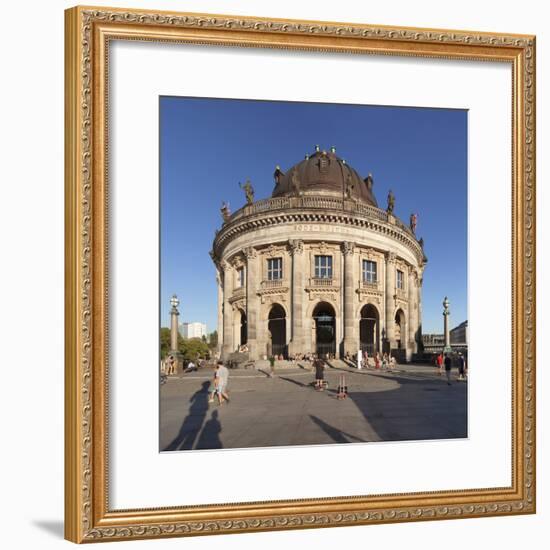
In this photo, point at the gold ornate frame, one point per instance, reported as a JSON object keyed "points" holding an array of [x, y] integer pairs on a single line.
{"points": [[88, 33]]}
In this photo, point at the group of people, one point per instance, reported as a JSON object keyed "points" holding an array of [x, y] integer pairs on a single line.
{"points": [[384, 361], [309, 357], [446, 360]]}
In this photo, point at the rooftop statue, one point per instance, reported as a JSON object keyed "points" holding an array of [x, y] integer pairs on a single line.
{"points": [[248, 191], [391, 202], [277, 174], [413, 222], [369, 181], [226, 212]]}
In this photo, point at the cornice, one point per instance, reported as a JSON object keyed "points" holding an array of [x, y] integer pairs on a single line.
{"points": [[272, 219]]}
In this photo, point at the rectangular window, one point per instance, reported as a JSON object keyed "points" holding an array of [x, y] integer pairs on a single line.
{"points": [[274, 269], [400, 280], [323, 267], [369, 271], [240, 277]]}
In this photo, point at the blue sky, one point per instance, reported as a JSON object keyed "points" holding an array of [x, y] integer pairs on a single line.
{"points": [[208, 146]]}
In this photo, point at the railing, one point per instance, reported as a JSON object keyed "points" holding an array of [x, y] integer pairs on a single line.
{"points": [[314, 202], [369, 348], [321, 282], [369, 285], [321, 203], [325, 348], [280, 349], [238, 292], [275, 283]]}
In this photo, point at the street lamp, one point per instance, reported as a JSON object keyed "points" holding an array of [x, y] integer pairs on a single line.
{"points": [[446, 315], [175, 355]]}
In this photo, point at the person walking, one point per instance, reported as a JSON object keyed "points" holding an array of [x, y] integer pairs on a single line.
{"points": [[319, 373], [215, 382], [448, 364], [439, 362], [223, 379]]}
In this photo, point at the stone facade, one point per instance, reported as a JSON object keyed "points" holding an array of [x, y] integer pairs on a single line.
{"points": [[318, 270]]}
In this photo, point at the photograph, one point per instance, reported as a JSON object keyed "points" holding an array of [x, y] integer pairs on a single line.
{"points": [[294, 241], [313, 273]]}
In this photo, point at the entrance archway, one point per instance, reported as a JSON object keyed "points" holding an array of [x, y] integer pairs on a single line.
{"points": [[244, 329], [369, 329], [400, 330], [324, 319], [276, 325]]}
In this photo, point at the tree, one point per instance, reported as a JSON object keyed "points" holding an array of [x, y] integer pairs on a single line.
{"points": [[213, 340], [164, 341], [191, 348]]}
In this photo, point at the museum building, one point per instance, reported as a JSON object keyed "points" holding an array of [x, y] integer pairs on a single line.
{"points": [[318, 268]]}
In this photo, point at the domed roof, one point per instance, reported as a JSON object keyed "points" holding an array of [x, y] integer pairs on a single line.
{"points": [[324, 173]]}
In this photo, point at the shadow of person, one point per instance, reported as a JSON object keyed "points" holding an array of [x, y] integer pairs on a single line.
{"points": [[338, 436], [193, 422], [298, 383], [210, 435]]}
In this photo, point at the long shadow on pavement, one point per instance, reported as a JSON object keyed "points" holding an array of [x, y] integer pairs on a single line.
{"points": [[193, 422], [338, 436], [210, 434], [404, 413]]}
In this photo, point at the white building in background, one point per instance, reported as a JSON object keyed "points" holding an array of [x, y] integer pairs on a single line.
{"points": [[193, 330]]}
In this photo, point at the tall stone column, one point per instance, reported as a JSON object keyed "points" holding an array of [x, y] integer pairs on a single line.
{"points": [[297, 343], [413, 311], [253, 276], [390, 300], [227, 311], [175, 358], [350, 330], [174, 315], [219, 284], [446, 329]]}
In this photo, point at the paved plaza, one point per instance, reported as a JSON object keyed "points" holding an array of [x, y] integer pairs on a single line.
{"points": [[410, 403]]}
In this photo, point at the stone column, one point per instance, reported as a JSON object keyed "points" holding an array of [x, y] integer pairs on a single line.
{"points": [[390, 300], [253, 276], [413, 311], [296, 344], [350, 330], [446, 329], [227, 311], [175, 356], [174, 315], [220, 310]]}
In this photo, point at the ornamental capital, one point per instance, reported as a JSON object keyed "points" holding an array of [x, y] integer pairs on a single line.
{"points": [[250, 252], [348, 248], [224, 265], [390, 257], [296, 246]]}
